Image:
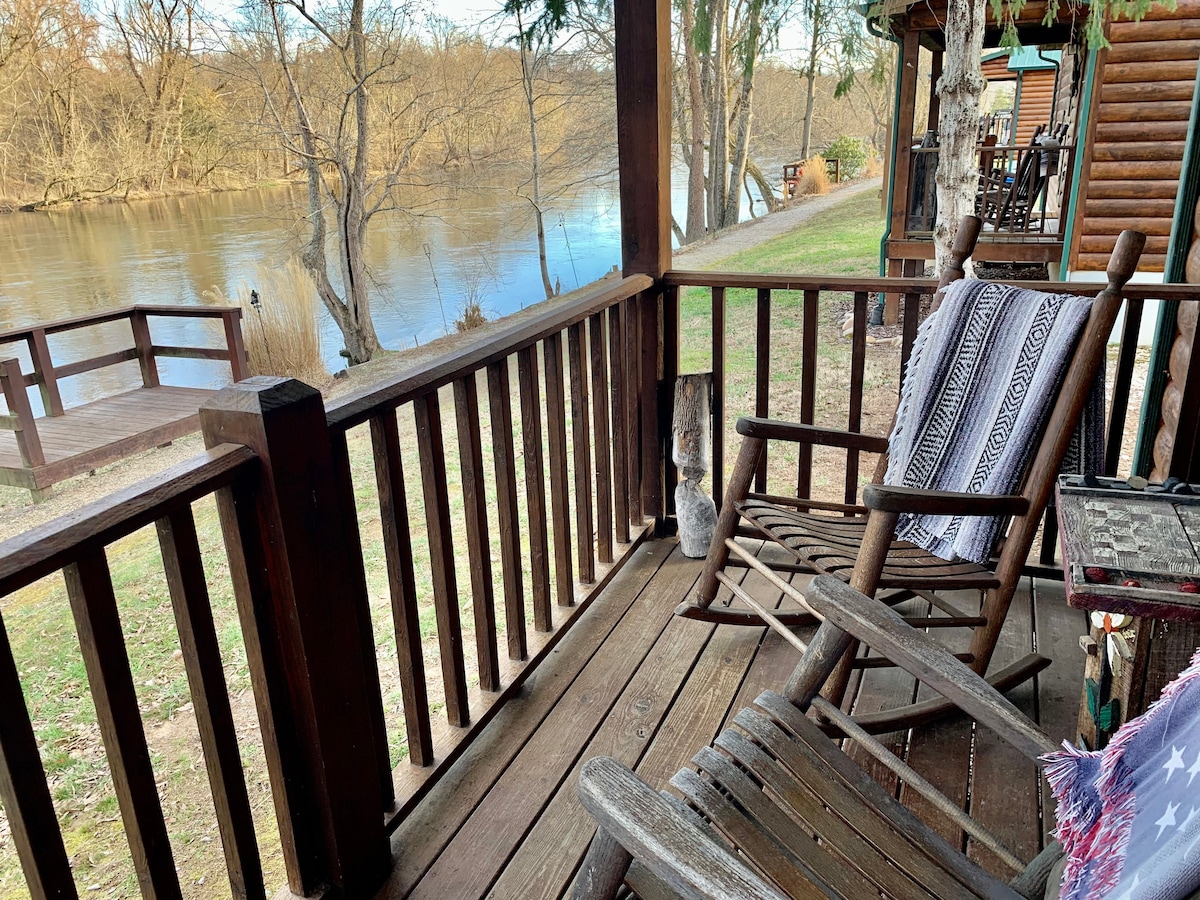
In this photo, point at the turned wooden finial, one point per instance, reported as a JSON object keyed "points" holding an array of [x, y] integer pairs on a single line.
{"points": [[1123, 262]]}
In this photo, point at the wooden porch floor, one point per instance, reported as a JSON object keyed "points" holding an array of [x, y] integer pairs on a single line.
{"points": [[103, 431], [633, 682]]}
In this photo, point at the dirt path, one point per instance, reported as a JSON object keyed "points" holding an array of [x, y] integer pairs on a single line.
{"points": [[703, 254]]}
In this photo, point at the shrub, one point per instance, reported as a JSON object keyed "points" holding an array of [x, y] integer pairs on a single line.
{"points": [[852, 152], [472, 316], [279, 323], [815, 179]]}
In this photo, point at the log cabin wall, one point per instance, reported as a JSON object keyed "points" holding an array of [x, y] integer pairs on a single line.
{"points": [[1141, 104], [1034, 99], [1036, 95], [1179, 372]]}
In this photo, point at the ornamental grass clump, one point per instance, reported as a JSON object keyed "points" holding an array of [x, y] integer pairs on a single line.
{"points": [[279, 323], [815, 179]]}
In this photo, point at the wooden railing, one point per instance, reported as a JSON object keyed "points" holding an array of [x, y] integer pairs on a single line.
{"points": [[809, 305], [1018, 195], [590, 444], [362, 536], [561, 465], [75, 545], [46, 373]]}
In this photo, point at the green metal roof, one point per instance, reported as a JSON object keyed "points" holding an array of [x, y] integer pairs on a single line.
{"points": [[1026, 58]]}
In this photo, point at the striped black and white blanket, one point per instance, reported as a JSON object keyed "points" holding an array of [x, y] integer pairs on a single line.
{"points": [[983, 376]]}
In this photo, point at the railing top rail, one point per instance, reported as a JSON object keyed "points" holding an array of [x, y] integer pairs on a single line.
{"points": [[45, 549], [111, 315], [356, 408], [1133, 291]]}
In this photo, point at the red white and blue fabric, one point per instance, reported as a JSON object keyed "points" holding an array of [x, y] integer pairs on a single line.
{"points": [[1129, 815]]}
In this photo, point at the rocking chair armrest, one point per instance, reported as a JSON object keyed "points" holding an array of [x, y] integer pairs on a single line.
{"points": [[675, 850], [881, 628], [892, 498], [775, 430]]}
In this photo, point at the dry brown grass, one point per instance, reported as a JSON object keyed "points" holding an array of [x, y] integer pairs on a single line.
{"points": [[873, 166], [815, 179], [279, 322]]}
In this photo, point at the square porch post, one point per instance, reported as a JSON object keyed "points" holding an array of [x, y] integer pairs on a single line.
{"points": [[643, 74]]}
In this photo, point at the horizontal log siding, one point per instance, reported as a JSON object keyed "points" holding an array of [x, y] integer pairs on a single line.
{"points": [[1141, 111]]}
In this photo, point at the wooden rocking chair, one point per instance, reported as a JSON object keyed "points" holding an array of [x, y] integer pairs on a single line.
{"points": [[775, 809], [833, 537]]}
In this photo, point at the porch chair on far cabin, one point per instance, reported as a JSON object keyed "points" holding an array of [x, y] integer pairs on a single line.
{"points": [[776, 809], [830, 538]]}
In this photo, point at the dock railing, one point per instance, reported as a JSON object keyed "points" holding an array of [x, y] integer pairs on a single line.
{"points": [[46, 374], [397, 580]]}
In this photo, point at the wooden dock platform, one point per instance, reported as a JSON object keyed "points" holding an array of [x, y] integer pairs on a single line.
{"points": [[634, 682], [36, 452], [102, 431]]}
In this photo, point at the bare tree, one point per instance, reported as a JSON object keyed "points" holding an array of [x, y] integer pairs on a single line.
{"points": [[341, 69]]}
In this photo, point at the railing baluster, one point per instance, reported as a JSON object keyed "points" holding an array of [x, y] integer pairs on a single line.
{"points": [[718, 398], [581, 447], [762, 374], [479, 548], [25, 793], [604, 504], [858, 360], [670, 345], [620, 444], [508, 516], [43, 368], [441, 556], [406, 623], [94, 607], [355, 591], [912, 312], [808, 389], [1126, 359], [556, 425], [184, 569], [535, 486], [633, 408]]}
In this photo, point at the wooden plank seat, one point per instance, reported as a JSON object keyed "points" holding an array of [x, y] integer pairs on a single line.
{"points": [[830, 544], [775, 808], [821, 540]]}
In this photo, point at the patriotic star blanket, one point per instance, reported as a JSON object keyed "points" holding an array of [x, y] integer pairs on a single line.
{"points": [[1129, 815], [984, 372]]}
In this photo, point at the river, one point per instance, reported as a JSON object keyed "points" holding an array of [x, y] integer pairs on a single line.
{"points": [[88, 258]]}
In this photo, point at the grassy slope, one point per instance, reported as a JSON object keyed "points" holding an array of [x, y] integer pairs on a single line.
{"points": [[843, 240]]}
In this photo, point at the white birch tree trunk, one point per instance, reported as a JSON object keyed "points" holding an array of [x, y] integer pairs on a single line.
{"points": [[959, 90]]}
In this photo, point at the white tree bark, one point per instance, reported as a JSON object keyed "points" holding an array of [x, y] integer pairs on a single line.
{"points": [[959, 90]]}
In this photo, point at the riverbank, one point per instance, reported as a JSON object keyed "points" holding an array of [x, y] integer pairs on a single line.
{"points": [[18, 513]]}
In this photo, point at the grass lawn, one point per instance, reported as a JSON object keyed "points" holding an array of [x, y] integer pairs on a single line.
{"points": [[843, 240]]}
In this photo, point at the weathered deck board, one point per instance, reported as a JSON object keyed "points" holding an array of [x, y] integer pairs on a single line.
{"points": [[103, 431], [632, 682]]}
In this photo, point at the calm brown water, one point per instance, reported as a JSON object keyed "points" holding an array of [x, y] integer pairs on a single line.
{"points": [[74, 261]]}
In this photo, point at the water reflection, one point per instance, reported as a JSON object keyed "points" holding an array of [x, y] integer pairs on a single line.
{"points": [[80, 260]]}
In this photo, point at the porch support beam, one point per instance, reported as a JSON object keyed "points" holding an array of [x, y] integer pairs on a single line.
{"points": [[643, 75]]}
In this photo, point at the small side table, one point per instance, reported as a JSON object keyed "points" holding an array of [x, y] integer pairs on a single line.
{"points": [[1113, 534]]}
